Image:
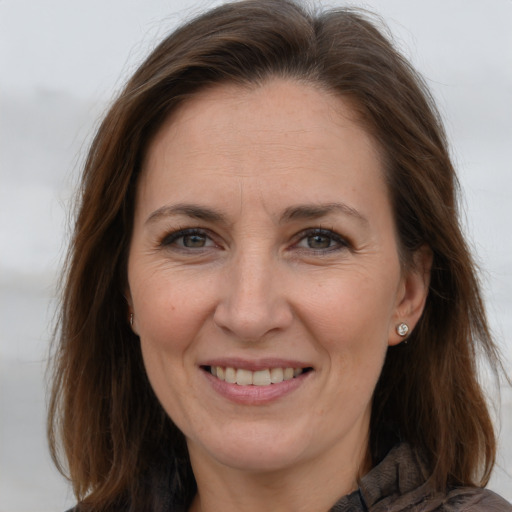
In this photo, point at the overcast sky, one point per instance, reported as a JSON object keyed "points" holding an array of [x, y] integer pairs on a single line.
{"points": [[84, 46], [61, 61]]}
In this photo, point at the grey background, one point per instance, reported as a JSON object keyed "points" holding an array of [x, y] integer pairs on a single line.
{"points": [[60, 64]]}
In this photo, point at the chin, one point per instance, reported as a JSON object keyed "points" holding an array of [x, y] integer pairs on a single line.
{"points": [[254, 450]]}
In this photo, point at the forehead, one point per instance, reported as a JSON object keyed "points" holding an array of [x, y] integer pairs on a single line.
{"points": [[281, 135], [283, 107]]}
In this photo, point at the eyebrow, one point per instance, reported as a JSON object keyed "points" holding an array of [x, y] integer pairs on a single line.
{"points": [[299, 212], [190, 210], [315, 211]]}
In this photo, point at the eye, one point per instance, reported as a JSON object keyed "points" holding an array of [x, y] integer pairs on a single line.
{"points": [[194, 240], [322, 240], [188, 239], [319, 241]]}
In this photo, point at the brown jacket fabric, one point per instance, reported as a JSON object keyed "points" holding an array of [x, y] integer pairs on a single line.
{"points": [[397, 484]]}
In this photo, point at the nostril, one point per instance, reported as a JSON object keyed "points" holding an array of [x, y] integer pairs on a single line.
{"points": [[251, 315]]}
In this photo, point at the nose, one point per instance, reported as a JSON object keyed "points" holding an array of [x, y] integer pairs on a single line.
{"points": [[253, 301]]}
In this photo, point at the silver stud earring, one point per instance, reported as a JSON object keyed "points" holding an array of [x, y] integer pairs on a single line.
{"points": [[131, 319], [402, 329]]}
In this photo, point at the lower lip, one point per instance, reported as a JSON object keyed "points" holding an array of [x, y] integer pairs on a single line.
{"points": [[255, 395]]}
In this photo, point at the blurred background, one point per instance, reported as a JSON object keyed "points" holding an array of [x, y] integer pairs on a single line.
{"points": [[62, 61]]}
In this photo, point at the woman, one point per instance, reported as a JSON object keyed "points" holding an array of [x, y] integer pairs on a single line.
{"points": [[269, 303]]}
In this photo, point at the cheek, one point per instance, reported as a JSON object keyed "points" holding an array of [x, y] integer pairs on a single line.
{"points": [[167, 314], [350, 319], [169, 319], [354, 307]]}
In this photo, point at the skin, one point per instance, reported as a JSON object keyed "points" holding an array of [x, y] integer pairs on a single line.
{"points": [[252, 282]]}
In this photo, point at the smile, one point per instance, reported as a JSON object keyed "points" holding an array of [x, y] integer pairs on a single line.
{"points": [[264, 377]]}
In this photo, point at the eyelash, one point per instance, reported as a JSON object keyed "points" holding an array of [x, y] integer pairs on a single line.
{"points": [[336, 241], [171, 238]]}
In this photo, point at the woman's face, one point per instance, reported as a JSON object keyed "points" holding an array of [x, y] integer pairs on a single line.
{"points": [[264, 247]]}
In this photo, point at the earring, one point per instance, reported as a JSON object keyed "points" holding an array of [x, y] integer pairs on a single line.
{"points": [[131, 319], [402, 329]]}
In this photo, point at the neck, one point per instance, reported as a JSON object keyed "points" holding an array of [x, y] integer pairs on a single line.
{"points": [[314, 486]]}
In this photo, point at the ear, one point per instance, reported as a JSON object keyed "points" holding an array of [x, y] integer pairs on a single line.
{"points": [[131, 314], [412, 293]]}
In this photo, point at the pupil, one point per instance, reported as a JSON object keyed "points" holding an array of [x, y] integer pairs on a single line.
{"points": [[319, 242], [193, 241]]}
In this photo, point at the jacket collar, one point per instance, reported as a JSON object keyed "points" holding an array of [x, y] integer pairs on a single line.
{"points": [[400, 472]]}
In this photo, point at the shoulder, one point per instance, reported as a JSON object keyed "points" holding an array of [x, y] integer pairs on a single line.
{"points": [[461, 499], [468, 499], [400, 483]]}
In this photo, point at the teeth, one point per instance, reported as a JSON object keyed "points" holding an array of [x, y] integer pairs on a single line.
{"points": [[230, 375], [276, 375], [288, 373], [244, 377], [261, 378]]}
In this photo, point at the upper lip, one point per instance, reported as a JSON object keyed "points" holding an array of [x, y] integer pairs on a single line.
{"points": [[256, 364]]}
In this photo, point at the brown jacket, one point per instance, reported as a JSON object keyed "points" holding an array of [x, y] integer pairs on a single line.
{"points": [[398, 484]]}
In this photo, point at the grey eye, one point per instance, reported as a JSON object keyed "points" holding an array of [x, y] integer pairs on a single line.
{"points": [[194, 241], [188, 239], [319, 241]]}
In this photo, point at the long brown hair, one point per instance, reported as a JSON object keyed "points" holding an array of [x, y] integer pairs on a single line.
{"points": [[103, 414]]}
